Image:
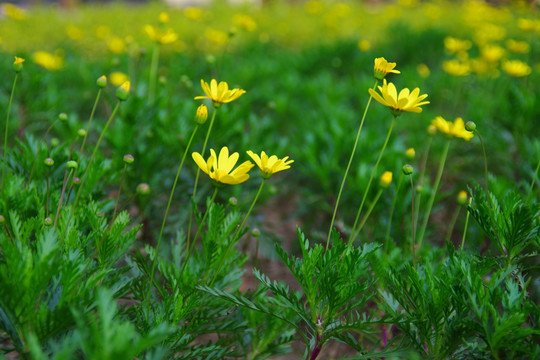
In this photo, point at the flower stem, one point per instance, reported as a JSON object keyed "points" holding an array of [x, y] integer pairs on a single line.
{"points": [[90, 121], [349, 166], [413, 223], [392, 208], [368, 212], [118, 195], [452, 224], [485, 167], [47, 201], [62, 196], [418, 195], [241, 227], [466, 226], [153, 74], [533, 181], [7, 129], [434, 192], [354, 232], [38, 151]]}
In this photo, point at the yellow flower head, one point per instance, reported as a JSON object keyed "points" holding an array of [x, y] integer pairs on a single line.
{"points": [[270, 165], [410, 153], [219, 93], [383, 67], [518, 47], [160, 36], [456, 68], [386, 179], [220, 169], [48, 61], [13, 11], [18, 64], [516, 68], [456, 128], [462, 197], [405, 101], [455, 45], [118, 78]]}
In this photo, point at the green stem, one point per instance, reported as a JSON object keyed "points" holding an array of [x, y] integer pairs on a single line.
{"points": [[153, 74], [466, 226], [38, 151], [47, 201], [485, 167], [413, 223], [62, 197], [368, 212], [241, 227], [118, 195], [199, 171], [349, 166], [392, 208], [434, 192], [452, 224], [418, 195], [533, 181], [354, 232], [90, 121], [7, 129]]}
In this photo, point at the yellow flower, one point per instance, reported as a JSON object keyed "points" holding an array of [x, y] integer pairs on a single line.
{"points": [[364, 45], [18, 64], [219, 93], [456, 128], [455, 45], [13, 11], [270, 165], [410, 153], [48, 61], [118, 78], [518, 47], [386, 179], [219, 168], [462, 197], [423, 70], [193, 13], [116, 45], [160, 36], [383, 67], [163, 17], [456, 68], [405, 101], [516, 68], [245, 22], [492, 53]]}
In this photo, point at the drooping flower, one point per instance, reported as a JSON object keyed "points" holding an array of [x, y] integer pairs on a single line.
{"points": [[456, 128], [405, 101], [383, 67], [219, 93], [220, 168], [516, 68], [270, 165]]}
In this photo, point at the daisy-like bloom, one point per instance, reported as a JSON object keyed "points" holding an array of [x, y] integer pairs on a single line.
{"points": [[516, 68], [160, 36], [456, 68], [270, 165], [456, 128], [220, 168], [405, 101], [455, 45], [518, 47], [219, 93], [51, 62], [383, 67]]}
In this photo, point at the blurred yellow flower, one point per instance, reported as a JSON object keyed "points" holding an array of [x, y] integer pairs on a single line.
{"points": [[516, 68], [160, 36], [220, 169], [314, 7], [48, 61], [193, 13], [18, 61], [456, 128], [456, 68], [102, 32], [518, 47], [455, 45], [13, 11], [364, 45], [163, 17], [528, 24], [270, 165], [405, 101], [462, 197], [245, 22], [74, 33], [219, 93], [492, 53], [383, 67], [386, 179], [410, 153], [117, 78], [116, 45], [489, 32], [216, 37]]}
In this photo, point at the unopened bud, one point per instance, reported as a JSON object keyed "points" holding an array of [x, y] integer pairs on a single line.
{"points": [[410, 154], [62, 117], [48, 221], [143, 189], [202, 114], [18, 64], [256, 232], [55, 142], [432, 130], [2, 219], [128, 159], [48, 162], [101, 82], [386, 179], [71, 164], [470, 126], [462, 197], [123, 91], [407, 169], [81, 132], [233, 201]]}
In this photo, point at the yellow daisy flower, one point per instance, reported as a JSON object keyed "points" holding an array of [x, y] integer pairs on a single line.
{"points": [[386, 179], [160, 36], [219, 93], [516, 68], [270, 165], [405, 101], [456, 128], [383, 67], [220, 168]]}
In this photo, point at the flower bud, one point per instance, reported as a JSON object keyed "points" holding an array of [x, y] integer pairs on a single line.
{"points": [[48, 221], [81, 132], [48, 162], [101, 82], [128, 159], [100, 214], [71, 164], [410, 154], [256, 232], [233, 201], [18, 64], [386, 179], [55, 142], [462, 197], [143, 189], [202, 114], [407, 169], [419, 188], [76, 181], [2, 219], [62, 117], [470, 126], [123, 91]]}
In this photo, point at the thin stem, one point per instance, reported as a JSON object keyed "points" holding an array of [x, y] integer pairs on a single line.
{"points": [[9, 234], [431, 200], [118, 195], [38, 151], [392, 208], [354, 232], [533, 180], [452, 223], [90, 121], [241, 227], [466, 225], [418, 195], [7, 129], [62, 197], [413, 222], [199, 170], [368, 212], [47, 201], [485, 167], [349, 166], [153, 74]]}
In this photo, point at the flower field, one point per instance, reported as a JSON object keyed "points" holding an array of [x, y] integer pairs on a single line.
{"points": [[285, 179]]}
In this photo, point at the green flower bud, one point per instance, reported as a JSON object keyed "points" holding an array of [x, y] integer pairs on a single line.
{"points": [[123, 91], [55, 142], [143, 189], [419, 188], [2, 219], [233, 201], [128, 159], [48, 162], [62, 117], [101, 81], [48, 221], [470, 126], [462, 197], [81, 132], [202, 114], [407, 169], [72, 164], [256, 232], [410, 154]]}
